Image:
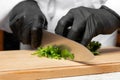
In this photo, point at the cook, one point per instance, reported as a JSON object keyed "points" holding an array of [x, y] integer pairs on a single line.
{"points": [[27, 18]]}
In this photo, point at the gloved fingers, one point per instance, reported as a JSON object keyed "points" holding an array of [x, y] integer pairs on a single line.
{"points": [[36, 32], [44, 22], [32, 34], [26, 33], [63, 24], [13, 19], [90, 30], [36, 37], [77, 29], [15, 24]]}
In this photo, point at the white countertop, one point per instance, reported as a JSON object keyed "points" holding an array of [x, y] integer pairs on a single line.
{"points": [[106, 76]]}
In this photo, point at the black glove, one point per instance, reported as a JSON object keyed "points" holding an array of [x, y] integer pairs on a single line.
{"points": [[86, 23], [27, 22]]}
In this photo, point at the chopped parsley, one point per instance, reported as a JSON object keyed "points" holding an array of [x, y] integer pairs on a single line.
{"points": [[54, 52], [94, 46]]}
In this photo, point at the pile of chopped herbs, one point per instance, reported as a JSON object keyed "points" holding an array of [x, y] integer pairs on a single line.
{"points": [[54, 52], [60, 52], [94, 46]]}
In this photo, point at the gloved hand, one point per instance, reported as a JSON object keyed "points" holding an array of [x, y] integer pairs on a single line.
{"points": [[82, 24], [27, 21]]}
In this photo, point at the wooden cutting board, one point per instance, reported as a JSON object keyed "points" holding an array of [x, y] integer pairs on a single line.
{"points": [[21, 65]]}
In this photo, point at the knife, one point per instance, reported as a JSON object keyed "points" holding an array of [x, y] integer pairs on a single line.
{"points": [[81, 53]]}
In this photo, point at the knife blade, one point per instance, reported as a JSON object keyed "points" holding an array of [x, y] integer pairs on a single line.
{"points": [[81, 53]]}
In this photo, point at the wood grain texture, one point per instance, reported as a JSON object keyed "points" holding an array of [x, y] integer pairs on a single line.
{"points": [[21, 65]]}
